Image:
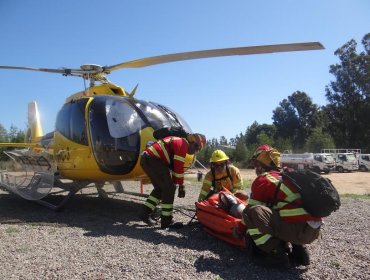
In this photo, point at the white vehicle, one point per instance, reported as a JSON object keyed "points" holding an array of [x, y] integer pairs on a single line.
{"points": [[364, 162], [320, 162], [345, 159], [346, 162]]}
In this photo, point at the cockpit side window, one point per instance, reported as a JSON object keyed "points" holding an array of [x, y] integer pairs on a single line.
{"points": [[159, 115], [114, 130], [77, 122], [174, 118], [70, 121], [155, 115]]}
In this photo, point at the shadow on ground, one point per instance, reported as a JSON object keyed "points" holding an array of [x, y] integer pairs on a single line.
{"points": [[118, 217]]}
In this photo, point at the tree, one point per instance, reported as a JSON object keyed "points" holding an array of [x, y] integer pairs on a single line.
{"points": [[319, 140], [256, 130], [295, 118], [3, 134], [240, 152], [15, 135], [348, 111], [223, 140]]}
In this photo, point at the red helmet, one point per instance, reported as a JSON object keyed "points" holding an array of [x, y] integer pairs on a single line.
{"points": [[261, 148], [198, 138]]}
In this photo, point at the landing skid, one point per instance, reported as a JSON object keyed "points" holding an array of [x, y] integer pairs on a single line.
{"points": [[71, 187]]}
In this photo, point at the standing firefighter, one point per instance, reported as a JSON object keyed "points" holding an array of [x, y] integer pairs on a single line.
{"points": [[164, 162], [275, 215], [222, 175]]}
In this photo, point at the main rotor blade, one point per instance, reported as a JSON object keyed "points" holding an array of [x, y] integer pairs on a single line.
{"points": [[61, 71], [149, 61]]}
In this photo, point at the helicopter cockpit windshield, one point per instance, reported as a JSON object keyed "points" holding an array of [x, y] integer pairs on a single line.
{"points": [[159, 116], [115, 124]]}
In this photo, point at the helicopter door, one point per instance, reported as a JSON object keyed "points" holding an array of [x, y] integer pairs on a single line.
{"points": [[115, 134]]}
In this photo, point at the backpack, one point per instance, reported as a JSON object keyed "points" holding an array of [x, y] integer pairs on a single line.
{"points": [[169, 131], [318, 194]]}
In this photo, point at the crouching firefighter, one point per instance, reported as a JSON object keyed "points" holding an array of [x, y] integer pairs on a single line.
{"points": [[277, 224], [222, 175], [163, 162]]}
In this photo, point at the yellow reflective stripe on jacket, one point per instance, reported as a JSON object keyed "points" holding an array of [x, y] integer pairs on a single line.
{"points": [[154, 151], [280, 205], [177, 175], [176, 157], [161, 144], [263, 239], [272, 178], [253, 231], [253, 202], [290, 196], [292, 212]]}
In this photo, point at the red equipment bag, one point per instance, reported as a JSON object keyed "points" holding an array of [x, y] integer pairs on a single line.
{"points": [[216, 221]]}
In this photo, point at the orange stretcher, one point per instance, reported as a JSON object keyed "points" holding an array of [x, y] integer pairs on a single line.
{"points": [[216, 221]]}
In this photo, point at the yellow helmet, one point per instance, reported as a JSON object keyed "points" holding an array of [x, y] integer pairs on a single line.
{"points": [[218, 155], [267, 156]]}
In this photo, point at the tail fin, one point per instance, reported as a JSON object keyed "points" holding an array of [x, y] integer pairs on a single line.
{"points": [[34, 131]]}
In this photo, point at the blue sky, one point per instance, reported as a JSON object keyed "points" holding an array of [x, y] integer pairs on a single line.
{"points": [[217, 96]]}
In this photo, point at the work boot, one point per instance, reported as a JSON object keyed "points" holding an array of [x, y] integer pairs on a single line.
{"points": [[277, 258], [167, 222], [251, 248], [156, 214], [287, 246], [145, 214], [300, 255]]}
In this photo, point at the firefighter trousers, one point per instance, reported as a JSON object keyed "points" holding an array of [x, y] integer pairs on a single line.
{"points": [[160, 176], [267, 229]]}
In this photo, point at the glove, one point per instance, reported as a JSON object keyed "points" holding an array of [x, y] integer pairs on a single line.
{"points": [[181, 192]]}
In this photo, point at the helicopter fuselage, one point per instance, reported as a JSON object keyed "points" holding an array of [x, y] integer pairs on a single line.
{"points": [[100, 134]]}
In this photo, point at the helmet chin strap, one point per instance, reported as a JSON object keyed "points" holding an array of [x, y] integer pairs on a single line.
{"points": [[259, 169]]}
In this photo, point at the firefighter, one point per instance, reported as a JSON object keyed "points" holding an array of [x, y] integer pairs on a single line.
{"points": [[163, 162], [275, 219], [222, 175]]}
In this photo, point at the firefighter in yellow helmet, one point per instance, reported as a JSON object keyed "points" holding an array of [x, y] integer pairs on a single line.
{"points": [[222, 174]]}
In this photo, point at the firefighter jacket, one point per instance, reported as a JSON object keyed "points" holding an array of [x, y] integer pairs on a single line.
{"points": [[172, 152], [231, 180], [287, 200]]}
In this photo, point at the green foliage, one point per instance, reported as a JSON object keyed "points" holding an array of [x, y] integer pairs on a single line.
{"points": [[3, 134], [240, 152], [14, 135], [348, 111], [319, 140], [255, 131], [295, 118]]}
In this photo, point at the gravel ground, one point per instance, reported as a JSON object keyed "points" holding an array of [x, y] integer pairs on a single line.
{"points": [[94, 238]]}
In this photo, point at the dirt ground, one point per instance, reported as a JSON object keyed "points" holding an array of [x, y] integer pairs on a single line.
{"points": [[345, 183]]}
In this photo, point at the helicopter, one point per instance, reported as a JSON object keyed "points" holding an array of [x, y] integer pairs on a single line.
{"points": [[101, 131]]}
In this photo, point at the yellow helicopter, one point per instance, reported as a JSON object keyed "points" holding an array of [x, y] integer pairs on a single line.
{"points": [[101, 131]]}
